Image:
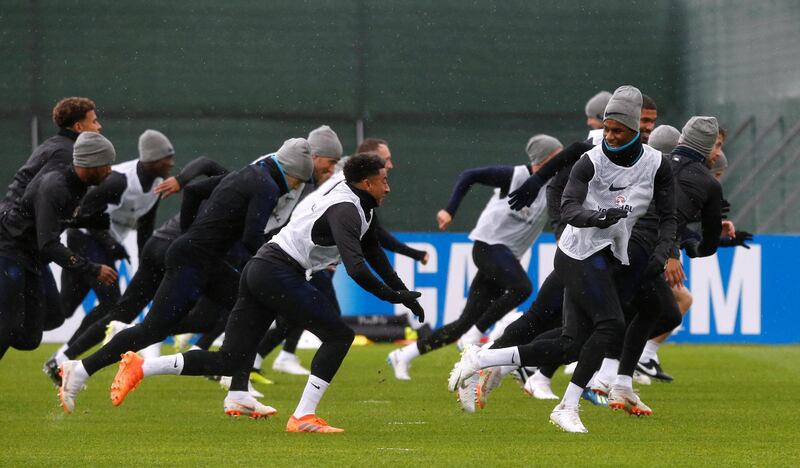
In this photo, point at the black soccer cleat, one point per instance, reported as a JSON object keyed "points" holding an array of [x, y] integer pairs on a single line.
{"points": [[653, 370], [50, 368]]}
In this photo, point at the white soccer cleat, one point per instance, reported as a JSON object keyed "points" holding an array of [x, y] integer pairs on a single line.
{"points": [[567, 418], [569, 369], [466, 367], [642, 379], [71, 385], [623, 398], [114, 327], [181, 342], [600, 387], [225, 382], [289, 363], [247, 406], [539, 388], [468, 393], [488, 380], [468, 340], [399, 365]]}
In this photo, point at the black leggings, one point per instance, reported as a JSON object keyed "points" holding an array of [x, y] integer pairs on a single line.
{"points": [[652, 312], [593, 319], [289, 335], [183, 284], [272, 287], [26, 301], [500, 285], [139, 293], [75, 286]]}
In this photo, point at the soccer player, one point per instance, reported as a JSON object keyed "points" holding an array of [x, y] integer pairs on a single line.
{"points": [[237, 210], [128, 197], [287, 361], [500, 237], [545, 313], [72, 116], [609, 189], [30, 238], [145, 281], [274, 283]]}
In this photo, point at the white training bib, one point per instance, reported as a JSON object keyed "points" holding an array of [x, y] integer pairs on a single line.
{"points": [[613, 186], [295, 237], [309, 200], [133, 204], [499, 224], [596, 136]]}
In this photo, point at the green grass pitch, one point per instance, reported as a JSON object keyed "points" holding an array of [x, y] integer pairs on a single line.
{"points": [[729, 406]]}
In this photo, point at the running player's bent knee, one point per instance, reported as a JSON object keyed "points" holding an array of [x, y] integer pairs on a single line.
{"points": [[613, 329], [521, 289]]}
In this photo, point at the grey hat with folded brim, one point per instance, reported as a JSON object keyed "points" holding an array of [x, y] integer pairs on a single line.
{"points": [[93, 150], [294, 157], [700, 134], [664, 138], [324, 142], [597, 105], [540, 146], [625, 106], [154, 145]]}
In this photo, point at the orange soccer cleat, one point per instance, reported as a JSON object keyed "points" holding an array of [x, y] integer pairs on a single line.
{"points": [[128, 377], [310, 423]]}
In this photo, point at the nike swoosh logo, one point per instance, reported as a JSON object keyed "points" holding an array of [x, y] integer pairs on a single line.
{"points": [[616, 189], [315, 386], [651, 371]]}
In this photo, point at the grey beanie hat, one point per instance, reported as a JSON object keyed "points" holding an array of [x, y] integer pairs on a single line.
{"points": [[664, 138], [539, 146], [700, 134], [625, 106], [294, 157], [597, 105], [721, 163], [154, 145], [93, 150], [325, 142]]}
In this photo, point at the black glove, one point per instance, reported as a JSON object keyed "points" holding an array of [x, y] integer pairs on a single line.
{"points": [[409, 299], [725, 208], [100, 221], [401, 297], [738, 241], [604, 219], [526, 193], [416, 309]]}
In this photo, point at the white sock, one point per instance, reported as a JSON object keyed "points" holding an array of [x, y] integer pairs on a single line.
{"points": [[80, 372], [163, 365], [239, 395], [60, 357], [650, 350], [608, 370], [473, 335], [572, 396], [62, 349], [258, 361], [315, 388], [283, 355], [409, 353], [624, 381], [498, 357]]}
